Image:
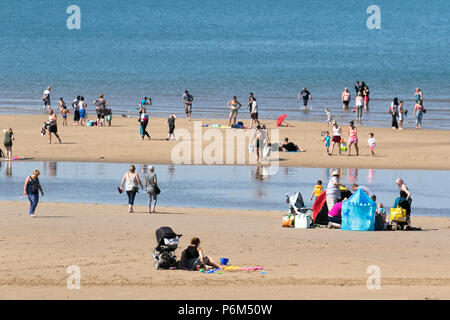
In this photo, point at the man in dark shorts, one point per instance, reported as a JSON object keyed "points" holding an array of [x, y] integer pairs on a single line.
{"points": [[171, 122], [306, 96], [254, 112], [249, 104], [76, 110], [46, 98], [187, 100]]}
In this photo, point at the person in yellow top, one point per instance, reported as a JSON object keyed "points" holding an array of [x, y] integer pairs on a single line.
{"points": [[317, 189]]}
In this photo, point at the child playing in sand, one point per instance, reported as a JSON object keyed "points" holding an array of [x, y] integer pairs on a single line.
{"points": [[171, 122], [327, 139], [317, 189], [372, 143], [383, 220], [329, 117]]}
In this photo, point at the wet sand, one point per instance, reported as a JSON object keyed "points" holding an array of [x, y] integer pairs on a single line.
{"points": [[114, 251], [400, 149]]}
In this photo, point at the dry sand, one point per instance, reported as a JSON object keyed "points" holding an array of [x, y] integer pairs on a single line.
{"points": [[113, 250], [404, 149]]}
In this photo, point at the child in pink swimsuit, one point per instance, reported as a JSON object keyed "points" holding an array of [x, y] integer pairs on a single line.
{"points": [[352, 138]]}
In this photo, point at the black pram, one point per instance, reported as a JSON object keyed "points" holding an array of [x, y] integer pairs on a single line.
{"points": [[167, 242]]}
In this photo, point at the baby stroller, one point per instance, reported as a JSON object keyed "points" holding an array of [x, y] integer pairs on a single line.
{"points": [[163, 254], [298, 211], [296, 203]]}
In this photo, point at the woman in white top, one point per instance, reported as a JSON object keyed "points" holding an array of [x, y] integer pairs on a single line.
{"points": [[82, 107], [359, 103], [131, 180], [337, 133]]}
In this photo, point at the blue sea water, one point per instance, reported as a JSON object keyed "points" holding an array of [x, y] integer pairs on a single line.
{"points": [[217, 49]]}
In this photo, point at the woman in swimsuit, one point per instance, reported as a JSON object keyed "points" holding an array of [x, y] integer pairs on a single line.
{"points": [[401, 115], [346, 97], [352, 138], [234, 106], [63, 110], [337, 132]]}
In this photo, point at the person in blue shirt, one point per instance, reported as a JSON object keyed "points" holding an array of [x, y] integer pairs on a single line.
{"points": [[144, 102], [327, 140]]}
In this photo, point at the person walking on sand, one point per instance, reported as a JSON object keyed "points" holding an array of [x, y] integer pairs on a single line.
{"points": [[372, 144], [393, 110], [352, 138], [306, 97], [100, 109], [346, 97], [143, 119], [337, 137], [151, 183], [254, 113], [258, 140], [359, 103], [52, 126], [63, 110], [418, 113], [329, 117], [76, 111], [250, 100], [82, 106], [132, 181], [187, 100], [401, 115], [31, 189], [234, 106], [171, 123], [8, 142], [46, 98]]}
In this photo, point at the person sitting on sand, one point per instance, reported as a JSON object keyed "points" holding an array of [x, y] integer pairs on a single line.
{"points": [[403, 203], [193, 257], [335, 216], [290, 146]]}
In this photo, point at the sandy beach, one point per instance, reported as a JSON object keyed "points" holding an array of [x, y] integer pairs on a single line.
{"points": [[113, 250], [401, 149]]}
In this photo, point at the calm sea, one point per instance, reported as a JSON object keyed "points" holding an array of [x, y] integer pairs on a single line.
{"points": [[217, 49]]}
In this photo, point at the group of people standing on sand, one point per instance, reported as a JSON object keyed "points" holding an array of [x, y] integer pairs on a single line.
{"points": [[337, 140], [234, 105]]}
